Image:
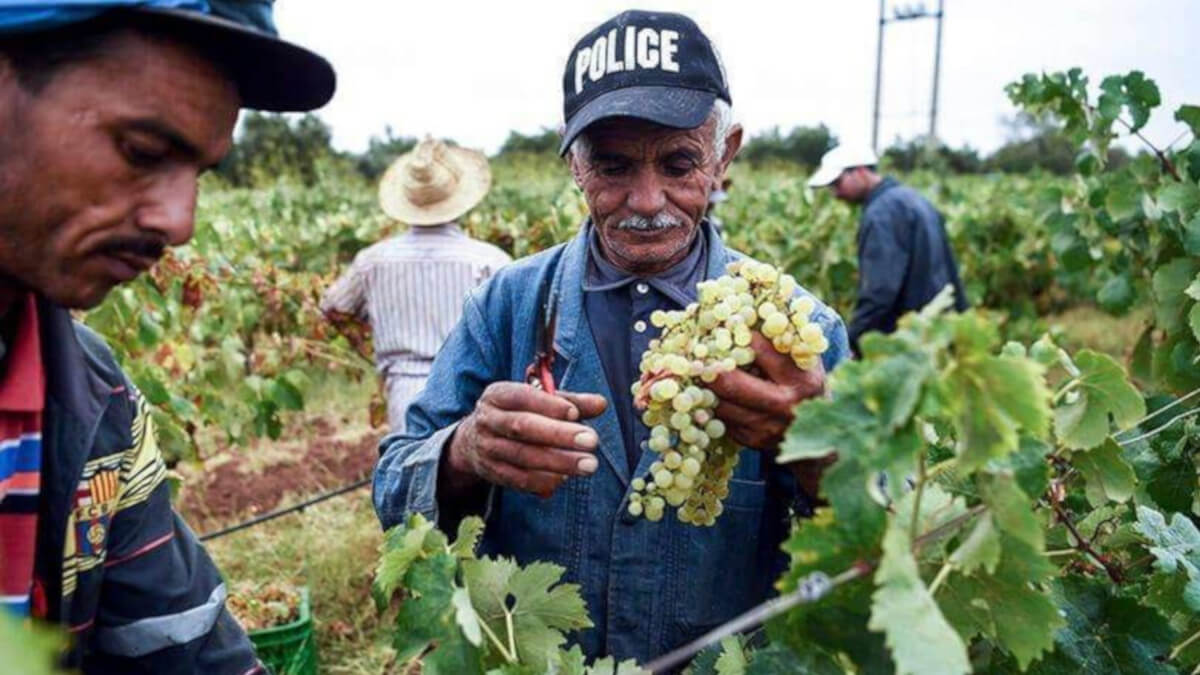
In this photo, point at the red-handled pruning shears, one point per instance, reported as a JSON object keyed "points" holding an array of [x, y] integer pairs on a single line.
{"points": [[539, 373]]}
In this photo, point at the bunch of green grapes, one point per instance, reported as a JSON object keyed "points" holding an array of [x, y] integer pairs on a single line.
{"points": [[697, 344]]}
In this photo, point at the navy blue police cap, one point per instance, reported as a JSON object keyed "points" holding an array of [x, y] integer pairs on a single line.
{"points": [[655, 66]]}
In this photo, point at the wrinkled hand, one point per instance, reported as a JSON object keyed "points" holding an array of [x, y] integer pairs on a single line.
{"points": [[757, 411], [523, 438]]}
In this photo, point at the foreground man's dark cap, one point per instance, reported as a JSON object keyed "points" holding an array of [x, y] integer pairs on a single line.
{"points": [[655, 66], [271, 74]]}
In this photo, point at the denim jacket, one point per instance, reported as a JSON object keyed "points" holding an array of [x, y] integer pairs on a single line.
{"points": [[649, 587]]}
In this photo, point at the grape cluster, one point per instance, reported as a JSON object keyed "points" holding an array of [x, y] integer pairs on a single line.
{"points": [[697, 344]]}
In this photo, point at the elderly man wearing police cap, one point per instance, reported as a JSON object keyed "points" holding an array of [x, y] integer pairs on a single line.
{"points": [[111, 110], [648, 135], [410, 288]]}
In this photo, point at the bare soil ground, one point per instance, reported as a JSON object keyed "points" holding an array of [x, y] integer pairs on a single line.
{"points": [[315, 455]]}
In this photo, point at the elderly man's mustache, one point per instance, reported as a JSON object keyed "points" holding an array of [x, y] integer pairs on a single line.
{"points": [[660, 221]]}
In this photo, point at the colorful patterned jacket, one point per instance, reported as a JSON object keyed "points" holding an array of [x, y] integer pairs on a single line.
{"points": [[115, 565]]}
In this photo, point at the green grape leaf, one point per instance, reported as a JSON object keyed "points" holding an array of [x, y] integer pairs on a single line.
{"points": [[152, 389], [918, 635], [464, 614], [777, 659], [1194, 320], [539, 610], [29, 650], [997, 397], [981, 548], [427, 615], [1107, 475], [1174, 594], [1012, 510], [1170, 282], [1028, 465], [452, 656], [732, 660], [572, 662], [1106, 633], [1103, 391], [822, 426], [1174, 545], [892, 379], [469, 532], [1134, 91], [1189, 115], [1005, 606], [1191, 237], [1116, 296], [285, 394], [403, 545], [1183, 198], [1124, 199]]}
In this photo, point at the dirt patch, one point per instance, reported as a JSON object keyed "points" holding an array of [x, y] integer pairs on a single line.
{"points": [[234, 485]]}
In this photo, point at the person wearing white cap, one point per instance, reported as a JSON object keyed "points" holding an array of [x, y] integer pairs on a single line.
{"points": [[411, 287], [904, 255]]}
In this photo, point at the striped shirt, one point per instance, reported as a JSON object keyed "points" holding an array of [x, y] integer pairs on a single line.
{"points": [[411, 289], [22, 399]]}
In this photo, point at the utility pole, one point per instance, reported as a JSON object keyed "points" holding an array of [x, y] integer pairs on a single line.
{"points": [[879, 77], [937, 69], [908, 13]]}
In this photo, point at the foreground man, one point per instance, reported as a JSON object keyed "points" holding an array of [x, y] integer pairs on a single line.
{"points": [[110, 115], [411, 287], [904, 256], [649, 134]]}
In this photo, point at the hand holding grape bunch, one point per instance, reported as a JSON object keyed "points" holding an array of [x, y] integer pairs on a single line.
{"points": [[725, 373]]}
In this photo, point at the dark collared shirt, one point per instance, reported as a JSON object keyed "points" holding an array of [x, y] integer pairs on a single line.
{"points": [[618, 307], [904, 259]]}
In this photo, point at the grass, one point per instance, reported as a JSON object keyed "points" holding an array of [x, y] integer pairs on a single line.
{"points": [[332, 547], [1090, 327]]}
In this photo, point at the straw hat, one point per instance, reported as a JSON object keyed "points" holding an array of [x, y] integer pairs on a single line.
{"points": [[434, 184]]}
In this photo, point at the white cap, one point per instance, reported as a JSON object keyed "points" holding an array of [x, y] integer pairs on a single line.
{"points": [[838, 160]]}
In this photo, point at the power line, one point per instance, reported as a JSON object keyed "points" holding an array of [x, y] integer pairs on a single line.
{"points": [[908, 13]]}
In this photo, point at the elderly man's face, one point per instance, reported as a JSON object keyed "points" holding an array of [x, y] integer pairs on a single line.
{"points": [[101, 175], [647, 188]]}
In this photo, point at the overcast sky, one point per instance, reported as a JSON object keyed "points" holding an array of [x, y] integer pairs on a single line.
{"points": [[472, 71]]}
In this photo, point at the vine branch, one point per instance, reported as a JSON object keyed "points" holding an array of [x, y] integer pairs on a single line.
{"points": [[1114, 571]]}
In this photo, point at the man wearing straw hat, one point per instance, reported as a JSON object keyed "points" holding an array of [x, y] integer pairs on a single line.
{"points": [[411, 288], [649, 135], [111, 109]]}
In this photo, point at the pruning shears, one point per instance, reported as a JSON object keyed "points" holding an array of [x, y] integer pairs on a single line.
{"points": [[539, 373]]}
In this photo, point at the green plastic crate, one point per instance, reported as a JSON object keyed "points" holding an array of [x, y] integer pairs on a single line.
{"points": [[290, 649]]}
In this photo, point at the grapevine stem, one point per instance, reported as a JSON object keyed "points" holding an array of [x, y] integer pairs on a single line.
{"points": [[1060, 553], [940, 578], [512, 645], [1114, 572], [941, 467], [916, 510], [1066, 389], [1155, 431], [496, 641], [1183, 645], [947, 527], [1162, 156]]}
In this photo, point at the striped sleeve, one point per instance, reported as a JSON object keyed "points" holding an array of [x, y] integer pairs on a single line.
{"points": [[347, 295], [162, 600]]}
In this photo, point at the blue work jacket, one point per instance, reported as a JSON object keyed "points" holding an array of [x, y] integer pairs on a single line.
{"points": [[649, 587]]}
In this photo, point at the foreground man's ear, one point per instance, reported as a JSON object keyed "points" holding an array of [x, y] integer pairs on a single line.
{"points": [[733, 143]]}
